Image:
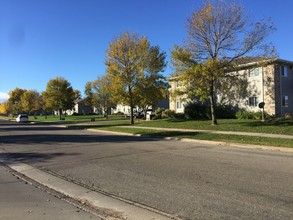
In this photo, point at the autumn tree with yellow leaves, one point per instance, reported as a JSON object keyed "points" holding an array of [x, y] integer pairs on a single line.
{"points": [[131, 61], [59, 95], [31, 101], [5, 108], [219, 34], [15, 100]]}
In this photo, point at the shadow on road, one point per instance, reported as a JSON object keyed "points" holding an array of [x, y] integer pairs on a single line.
{"points": [[12, 126], [25, 157], [69, 138]]}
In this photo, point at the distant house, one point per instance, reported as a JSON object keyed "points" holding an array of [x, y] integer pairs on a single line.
{"points": [[81, 108], [269, 81], [125, 109]]}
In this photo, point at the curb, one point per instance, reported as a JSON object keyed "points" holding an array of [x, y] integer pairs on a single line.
{"points": [[108, 206], [216, 143]]}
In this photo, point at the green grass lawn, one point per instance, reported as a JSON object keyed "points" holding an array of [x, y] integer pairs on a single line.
{"points": [[77, 118], [270, 127], [277, 142], [276, 126], [71, 118]]}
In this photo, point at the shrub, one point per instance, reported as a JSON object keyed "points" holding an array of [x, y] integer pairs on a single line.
{"points": [[158, 113], [244, 114], [168, 114], [76, 114], [288, 115], [180, 115], [226, 111], [280, 121], [196, 111]]}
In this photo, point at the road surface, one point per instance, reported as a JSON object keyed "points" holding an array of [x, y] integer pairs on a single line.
{"points": [[186, 180]]}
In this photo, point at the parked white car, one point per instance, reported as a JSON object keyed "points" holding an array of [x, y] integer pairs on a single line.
{"points": [[22, 118]]}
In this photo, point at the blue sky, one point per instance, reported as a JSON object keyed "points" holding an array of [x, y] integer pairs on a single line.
{"points": [[43, 39]]}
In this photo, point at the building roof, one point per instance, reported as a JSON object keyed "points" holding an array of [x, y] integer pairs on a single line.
{"points": [[256, 61], [247, 62]]}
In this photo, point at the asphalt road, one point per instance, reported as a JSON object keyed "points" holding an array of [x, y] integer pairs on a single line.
{"points": [[188, 180]]}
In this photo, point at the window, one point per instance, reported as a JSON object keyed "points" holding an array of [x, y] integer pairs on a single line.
{"points": [[285, 99], [284, 71], [254, 72], [178, 105], [176, 84], [252, 101]]}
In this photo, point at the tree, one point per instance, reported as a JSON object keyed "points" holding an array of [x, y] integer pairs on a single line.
{"points": [[76, 94], [88, 93], [5, 108], [218, 36], [152, 87], [126, 61], [99, 94], [129, 57], [31, 101], [59, 95], [15, 100]]}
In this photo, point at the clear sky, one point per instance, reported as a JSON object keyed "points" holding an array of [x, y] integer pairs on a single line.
{"points": [[43, 39]]}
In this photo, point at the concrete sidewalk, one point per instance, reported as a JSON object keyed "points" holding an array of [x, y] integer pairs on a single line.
{"points": [[20, 200]]}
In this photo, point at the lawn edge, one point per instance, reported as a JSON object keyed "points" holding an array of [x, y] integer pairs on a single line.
{"points": [[216, 143]]}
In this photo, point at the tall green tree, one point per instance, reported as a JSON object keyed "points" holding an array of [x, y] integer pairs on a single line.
{"points": [[59, 95], [219, 34], [99, 94], [153, 87], [129, 57]]}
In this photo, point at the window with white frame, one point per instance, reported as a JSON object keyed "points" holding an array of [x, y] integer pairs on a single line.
{"points": [[176, 84], [254, 72], [285, 100], [252, 101], [284, 71], [178, 105]]}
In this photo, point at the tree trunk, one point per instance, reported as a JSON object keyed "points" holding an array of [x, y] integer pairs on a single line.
{"points": [[131, 115], [106, 111], [60, 113], [131, 106], [145, 113], [212, 103]]}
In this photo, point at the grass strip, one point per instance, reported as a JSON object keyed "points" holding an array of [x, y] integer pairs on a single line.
{"points": [[269, 127], [276, 142], [100, 124], [70, 118]]}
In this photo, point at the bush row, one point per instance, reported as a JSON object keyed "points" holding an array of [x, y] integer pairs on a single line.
{"points": [[196, 111]]}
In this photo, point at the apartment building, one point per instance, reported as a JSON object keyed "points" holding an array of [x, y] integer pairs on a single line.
{"points": [[269, 81]]}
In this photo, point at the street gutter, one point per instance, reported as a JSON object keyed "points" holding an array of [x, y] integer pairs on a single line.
{"points": [[108, 207]]}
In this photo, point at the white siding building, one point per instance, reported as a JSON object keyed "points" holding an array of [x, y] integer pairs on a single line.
{"points": [[271, 83]]}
